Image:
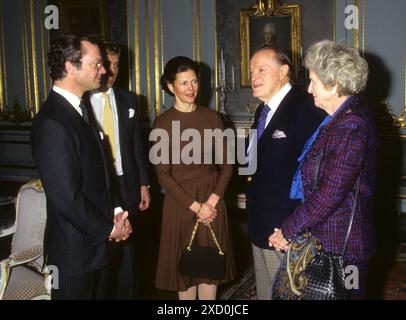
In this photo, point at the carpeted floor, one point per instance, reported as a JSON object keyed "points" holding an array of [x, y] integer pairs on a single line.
{"points": [[395, 287], [243, 289]]}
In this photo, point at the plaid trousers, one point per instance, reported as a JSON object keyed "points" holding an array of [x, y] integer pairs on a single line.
{"points": [[266, 264]]}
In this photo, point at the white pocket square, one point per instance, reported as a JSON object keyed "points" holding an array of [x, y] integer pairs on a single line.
{"points": [[278, 134], [131, 113], [101, 135]]}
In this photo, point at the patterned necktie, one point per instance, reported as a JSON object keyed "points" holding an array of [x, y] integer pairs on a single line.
{"points": [[108, 124], [262, 120], [85, 115]]}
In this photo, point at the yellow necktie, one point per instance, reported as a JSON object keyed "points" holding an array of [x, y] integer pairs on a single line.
{"points": [[108, 124]]}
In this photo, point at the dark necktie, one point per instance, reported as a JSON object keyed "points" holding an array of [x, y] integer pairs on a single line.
{"points": [[262, 120], [85, 115]]}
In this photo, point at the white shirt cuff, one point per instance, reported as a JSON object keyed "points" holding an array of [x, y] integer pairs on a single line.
{"points": [[118, 210]]}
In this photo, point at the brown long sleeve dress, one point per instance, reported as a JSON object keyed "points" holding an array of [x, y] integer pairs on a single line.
{"points": [[184, 184]]}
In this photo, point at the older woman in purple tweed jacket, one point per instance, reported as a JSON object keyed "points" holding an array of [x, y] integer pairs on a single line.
{"points": [[342, 149]]}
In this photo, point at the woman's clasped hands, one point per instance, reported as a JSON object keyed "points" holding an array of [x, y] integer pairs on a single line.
{"points": [[278, 241]]}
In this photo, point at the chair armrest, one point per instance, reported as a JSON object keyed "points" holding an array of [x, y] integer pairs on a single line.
{"points": [[4, 273], [24, 256], [16, 259], [7, 231]]}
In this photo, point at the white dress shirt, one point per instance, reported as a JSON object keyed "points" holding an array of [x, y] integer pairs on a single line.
{"points": [[276, 100], [72, 99], [96, 98]]}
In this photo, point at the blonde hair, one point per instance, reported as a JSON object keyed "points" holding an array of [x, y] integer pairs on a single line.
{"points": [[338, 64]]}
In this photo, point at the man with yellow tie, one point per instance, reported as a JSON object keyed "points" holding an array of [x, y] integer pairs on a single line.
{"points": [[114, 110]]}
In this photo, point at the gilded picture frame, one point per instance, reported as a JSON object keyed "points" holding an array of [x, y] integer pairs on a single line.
{"points": [[267, 22], [83, 17]]}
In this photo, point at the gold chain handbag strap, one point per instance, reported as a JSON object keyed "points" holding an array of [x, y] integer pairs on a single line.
{"points": [[189, 247]]}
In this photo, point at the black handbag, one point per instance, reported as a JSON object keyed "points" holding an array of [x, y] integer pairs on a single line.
{"points": [[307, 272], [203, 262]]}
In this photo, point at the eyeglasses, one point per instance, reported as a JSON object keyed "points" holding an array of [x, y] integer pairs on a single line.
{"points": [[98, 63]]}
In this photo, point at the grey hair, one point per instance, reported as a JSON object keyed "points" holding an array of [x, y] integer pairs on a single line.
{"points": [[336, 63]]}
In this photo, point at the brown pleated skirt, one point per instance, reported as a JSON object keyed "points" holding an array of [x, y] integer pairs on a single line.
{"points": [[176, 230]]}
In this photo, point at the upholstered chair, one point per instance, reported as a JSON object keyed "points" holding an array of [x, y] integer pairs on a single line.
{"points": [[23, 275]]}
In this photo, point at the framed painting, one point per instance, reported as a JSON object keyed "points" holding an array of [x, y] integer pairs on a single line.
{"points": [[267, 23], [83, 17]]}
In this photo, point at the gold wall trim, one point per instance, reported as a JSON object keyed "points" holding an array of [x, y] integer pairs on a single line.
{"points": [[162, 46], [44, 51], [137, 49], [334, 20], [34, 57], [148, 60], [130, 75], [363, 28], [27, 86], [215, 69], [156, 59], [6, 101], [3, 93], [356, 30], [193, 32], [198, 28]]}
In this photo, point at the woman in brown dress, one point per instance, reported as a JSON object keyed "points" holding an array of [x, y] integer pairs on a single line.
{"points": [[194, 188]]}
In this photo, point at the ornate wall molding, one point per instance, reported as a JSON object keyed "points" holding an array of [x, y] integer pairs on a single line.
{"points": [[3, 77], [46, 79], [26, 60], [334, 20], [161, 26], [356, 30], [34, 57], [157, 31], [198, 30], [401, 118], [157, 60], [363, 28], [148, 60]]}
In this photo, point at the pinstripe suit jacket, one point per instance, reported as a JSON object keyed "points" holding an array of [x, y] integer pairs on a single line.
{"points": [[72, 167], [347, 143]]}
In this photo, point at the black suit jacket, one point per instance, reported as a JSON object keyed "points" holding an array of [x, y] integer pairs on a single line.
{"points": [[135, 172], [268, 202], [73, 169]]}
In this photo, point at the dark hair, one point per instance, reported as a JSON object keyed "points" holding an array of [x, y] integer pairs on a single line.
{"points": [[66, 47], [111, 48], [175, 66], [282, 57]]}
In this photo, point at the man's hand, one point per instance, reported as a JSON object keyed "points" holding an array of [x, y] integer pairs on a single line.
{"points": [[122, 227], [145, 198]]}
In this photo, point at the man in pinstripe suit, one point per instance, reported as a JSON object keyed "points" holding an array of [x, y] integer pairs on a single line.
{"points": [[72, 165]]}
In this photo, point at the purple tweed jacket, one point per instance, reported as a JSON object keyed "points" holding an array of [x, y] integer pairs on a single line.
{"points": [[344, 146]]}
